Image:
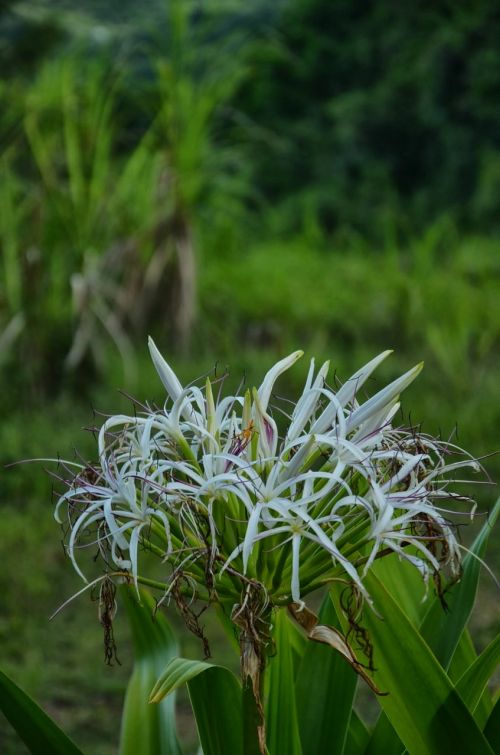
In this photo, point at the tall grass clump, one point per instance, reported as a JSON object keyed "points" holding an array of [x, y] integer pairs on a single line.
{"points": [[105, 203]]}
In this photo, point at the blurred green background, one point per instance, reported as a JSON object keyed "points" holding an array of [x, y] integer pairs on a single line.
{"points": [[239, 180]]}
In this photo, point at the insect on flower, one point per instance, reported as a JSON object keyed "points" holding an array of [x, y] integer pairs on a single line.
{"points": [[242, 439]]}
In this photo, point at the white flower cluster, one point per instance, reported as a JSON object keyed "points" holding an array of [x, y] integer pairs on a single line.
{"points": [[212, 480]]}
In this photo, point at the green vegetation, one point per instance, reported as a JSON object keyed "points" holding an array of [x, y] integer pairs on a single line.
{"points": [[240, 183], [410, 640]]}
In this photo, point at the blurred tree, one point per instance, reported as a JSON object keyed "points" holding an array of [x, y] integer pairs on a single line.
{"points": [[376, 108], [116, 168], [24, 39]]}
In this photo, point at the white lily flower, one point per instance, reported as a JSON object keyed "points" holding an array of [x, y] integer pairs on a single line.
{"points": [[221, 491], [115, 512]]}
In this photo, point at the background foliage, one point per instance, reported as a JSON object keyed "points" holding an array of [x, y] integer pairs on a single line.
{"points": [[240, 181]]}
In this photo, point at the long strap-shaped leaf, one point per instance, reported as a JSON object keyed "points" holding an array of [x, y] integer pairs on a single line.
{"points": [[385, 741], [405, 584], [442, 630], [422, 705], [281, 712], [492, 728], [326, 684], [39, 732], [148, 729], [472, 684], [216, 699], [357, 736], [463, 657]]}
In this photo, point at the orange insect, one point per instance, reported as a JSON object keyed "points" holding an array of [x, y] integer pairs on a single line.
{"points": [[242, 440]]}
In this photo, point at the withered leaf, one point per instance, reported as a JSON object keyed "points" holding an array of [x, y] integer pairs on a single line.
{"points": [[332, 637]]}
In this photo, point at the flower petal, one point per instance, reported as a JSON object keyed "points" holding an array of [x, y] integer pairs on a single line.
{"points": [[382, 398], [167, 375], [267, 385]]}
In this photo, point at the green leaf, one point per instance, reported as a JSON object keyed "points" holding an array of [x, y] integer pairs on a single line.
{"points": [[178, 672], [298, 645], [39, 732], [216, 699], [324, 714], [281, 712], [471, 688], [463, 657], [384, 740], [405, 584], [422, 705], [473, 683], [217, 705], [148, 729], [492, 728], [442, 630], [223, 612], [357, 736]]}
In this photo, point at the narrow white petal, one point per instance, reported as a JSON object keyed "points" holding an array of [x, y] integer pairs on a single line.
{"points": [[306, 405], [266, 429], [113, 526], [310, 376], [167, 375], [133, 547], [267, 385], [369, 433], [347, 392], [382, 398], [333, 415], [74, 534], [307, 443], [404, 471], [251, 532]]}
